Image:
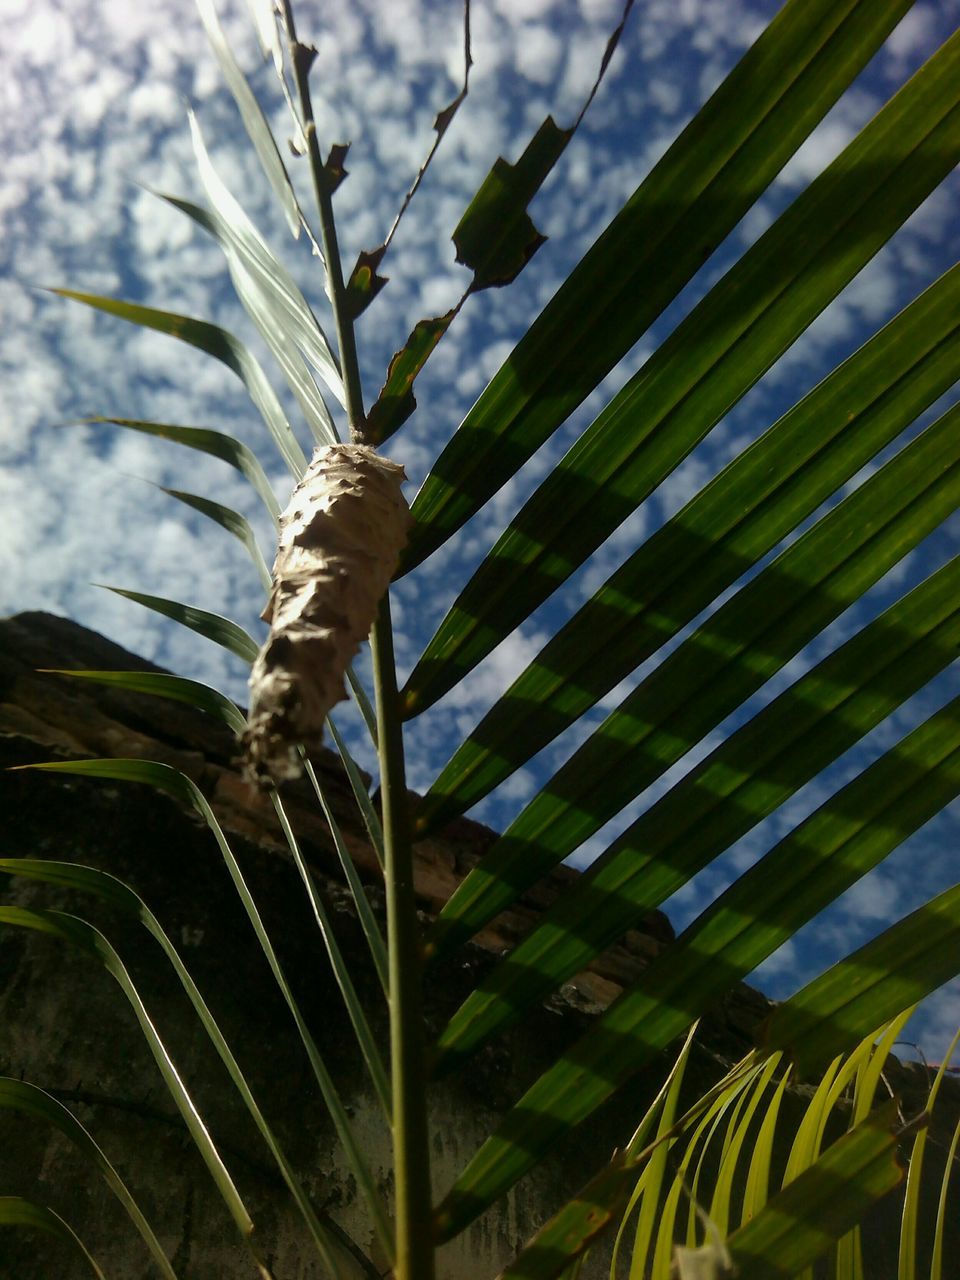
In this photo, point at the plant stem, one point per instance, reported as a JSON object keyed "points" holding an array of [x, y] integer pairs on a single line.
{"points": [[414, 1250], [414, 1244], [301, 56]]}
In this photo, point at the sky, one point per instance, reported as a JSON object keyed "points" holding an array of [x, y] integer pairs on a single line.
{"points": [[94, 123]]}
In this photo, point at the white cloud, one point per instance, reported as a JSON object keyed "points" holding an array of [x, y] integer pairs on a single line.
{"points": [[915, 31], [874, 898], [539, 54]]}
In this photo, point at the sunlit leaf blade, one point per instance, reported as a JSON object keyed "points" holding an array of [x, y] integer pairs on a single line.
{"points": [[911, 1200], [846, 696], [807, 1140], [176, 688], [706, 365], [264, 270], [936, 1261], [113, 891], [254, 120], [230, 520], [90, 941], [756, 1191], [30, 1100], [655, 1171], [755, 501], [799, 1224], [211, 625], [803, 873], [215, 443], [861, 1072], [735, 1144], [263, 14], [183, 789], [16, 1211], [270, 322], [396, 400], [267, 271], [637, 1150], [364, 705], [711, 674], [695, 195], [724, 1096], [906, 963], [218, 343]]}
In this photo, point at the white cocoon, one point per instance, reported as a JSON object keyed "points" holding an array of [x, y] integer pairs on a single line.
{"points": [[340, 538]]}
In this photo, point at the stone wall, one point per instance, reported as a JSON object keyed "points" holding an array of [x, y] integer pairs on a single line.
{"points": [[66, 1026]]}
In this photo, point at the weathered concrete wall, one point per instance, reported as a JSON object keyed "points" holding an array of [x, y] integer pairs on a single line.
{"points": [[66, 1026]]}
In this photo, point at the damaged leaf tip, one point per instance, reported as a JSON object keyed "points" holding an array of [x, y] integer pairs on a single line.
{"points": [[340, 539]]}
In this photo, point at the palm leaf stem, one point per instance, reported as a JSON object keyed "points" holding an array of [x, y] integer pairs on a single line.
{"points": [[414, 1243], [300, 58]]}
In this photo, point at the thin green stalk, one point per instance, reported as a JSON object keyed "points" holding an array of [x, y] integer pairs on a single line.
{"points": [[301, 57], [414, 1243], [414, 1250]]}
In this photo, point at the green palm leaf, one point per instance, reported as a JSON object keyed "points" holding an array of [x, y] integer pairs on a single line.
{"points": [[211, 625], [267, 272], [215, 443], [901, 966], [92, 943], [709, 362], [28, 1099], [798, 1226], [230, 520], [160, 684], [763, 494], [218, 343], [203, 698], [268, 293], [725, 661], [253, 118], [17, 1211], [695, 195], [263, 310], [743, 781], [186, 792], [109, 889], [835, 846]]}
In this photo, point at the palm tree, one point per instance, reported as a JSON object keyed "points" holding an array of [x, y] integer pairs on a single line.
{"points": [[710, 560]]}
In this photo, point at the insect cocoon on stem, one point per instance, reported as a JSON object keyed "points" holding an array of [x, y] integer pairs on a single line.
{"points": [[340, 539]]}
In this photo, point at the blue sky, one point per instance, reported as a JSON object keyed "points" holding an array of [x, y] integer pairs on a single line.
{"points": [[95, 99]]}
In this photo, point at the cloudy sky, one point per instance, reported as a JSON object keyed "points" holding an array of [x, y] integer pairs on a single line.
{"points": [[94, 121]]}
